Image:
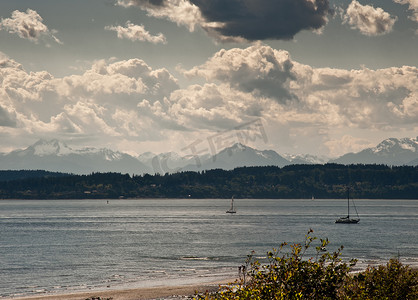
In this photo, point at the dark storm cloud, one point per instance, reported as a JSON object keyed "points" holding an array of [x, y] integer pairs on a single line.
{"points": [[245, 19], [264, 19]]}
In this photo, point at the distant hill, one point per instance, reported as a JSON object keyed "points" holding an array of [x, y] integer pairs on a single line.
{"points": [[396, 152], [9, 175], [324, 181]]}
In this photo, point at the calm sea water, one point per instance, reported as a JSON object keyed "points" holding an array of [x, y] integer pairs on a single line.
{"points": [[72, 245]]}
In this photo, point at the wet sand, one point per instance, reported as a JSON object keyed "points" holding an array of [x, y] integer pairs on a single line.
{"points": [[161, 292]]}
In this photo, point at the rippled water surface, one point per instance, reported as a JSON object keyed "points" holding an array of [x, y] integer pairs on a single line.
{"points": [[70, 245]]}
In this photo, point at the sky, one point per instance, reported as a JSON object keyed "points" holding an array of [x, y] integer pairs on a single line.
{"points": [[321, 77]]}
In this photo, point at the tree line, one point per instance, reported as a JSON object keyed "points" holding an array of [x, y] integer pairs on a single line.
{"points": [[289, 182]]}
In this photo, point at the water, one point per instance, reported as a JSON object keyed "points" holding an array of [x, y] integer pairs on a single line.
{"points": [[72, 245]]}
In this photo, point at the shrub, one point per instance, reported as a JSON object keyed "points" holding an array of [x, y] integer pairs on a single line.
{"points": [[393, 281], [288, 275]]}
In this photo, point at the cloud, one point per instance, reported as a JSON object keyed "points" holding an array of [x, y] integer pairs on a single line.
{"points": [[211, 106], [6, 119], [129, 100], [297, 93], [326, 97], [262, 19], [91, 117], [91, 104], [413, 6], [241, 20], [181, 12], [240, 87], [258, 69], [347, 144], [28, 25], [369, 20], [137, 33], [129, 79], [407, 108], [361, 98]]}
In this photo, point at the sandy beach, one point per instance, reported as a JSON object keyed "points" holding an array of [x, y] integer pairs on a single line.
{"points": [[161, 292]]}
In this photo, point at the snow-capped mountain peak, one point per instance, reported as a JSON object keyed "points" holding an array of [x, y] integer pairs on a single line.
{"points": [[239, 155], [410, 144], [393, 144], [170, 155], [306, 159], [56, 156], [52, 147], [110, 155], [391, 151], [236, 148]]}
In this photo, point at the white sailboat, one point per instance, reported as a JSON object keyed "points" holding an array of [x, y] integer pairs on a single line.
{"points": [[231, 210], [348, 220]]}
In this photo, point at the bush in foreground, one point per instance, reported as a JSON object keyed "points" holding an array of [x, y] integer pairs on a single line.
{"points": [[393, 281], [289, 275]]}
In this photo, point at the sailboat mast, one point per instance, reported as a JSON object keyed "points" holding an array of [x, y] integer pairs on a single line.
{"points": [[348, 202], [347, 220]]}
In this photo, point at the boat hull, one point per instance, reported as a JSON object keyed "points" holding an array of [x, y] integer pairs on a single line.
{"points": [[347, 221]]}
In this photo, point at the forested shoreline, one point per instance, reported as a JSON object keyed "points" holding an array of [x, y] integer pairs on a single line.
{"points": [[328, 181]]}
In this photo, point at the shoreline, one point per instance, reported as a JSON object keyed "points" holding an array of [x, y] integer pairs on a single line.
{"points": [[142, 293]]}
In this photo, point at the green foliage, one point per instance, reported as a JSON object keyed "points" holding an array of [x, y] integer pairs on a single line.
{"points": [[393, 281], [290, 276]]}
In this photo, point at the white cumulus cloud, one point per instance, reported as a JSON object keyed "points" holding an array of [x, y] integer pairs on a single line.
{"points": [[259, 69], [369, 20], [28, 25], [88, 105], [323, 96], [181, 12], [209, 106], [137, 33], [129, 100]]}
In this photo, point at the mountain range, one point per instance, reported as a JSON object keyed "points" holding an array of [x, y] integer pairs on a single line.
{"points": [[56, 156], [391, 151]]}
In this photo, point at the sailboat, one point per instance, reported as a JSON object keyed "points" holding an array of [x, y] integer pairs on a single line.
{"points": [[231, 210], [348, 220]]}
